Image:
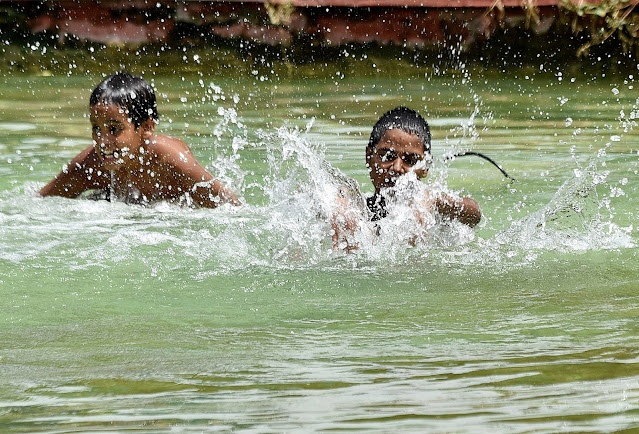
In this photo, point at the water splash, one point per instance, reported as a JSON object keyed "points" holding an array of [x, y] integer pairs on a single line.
{"points": [[301, 187], [571, 221], [289, 223]]}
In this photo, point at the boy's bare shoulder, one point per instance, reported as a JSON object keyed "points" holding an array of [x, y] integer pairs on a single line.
{"points": [[167, 148], [172, 152], [175, 155]]}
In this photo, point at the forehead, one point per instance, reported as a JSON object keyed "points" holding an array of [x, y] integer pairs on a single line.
{"points": [[401, 141], [102, 112]]}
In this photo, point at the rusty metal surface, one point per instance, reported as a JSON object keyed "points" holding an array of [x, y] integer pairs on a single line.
{"points": [[408, 23], [401, 3], [123, 4]]}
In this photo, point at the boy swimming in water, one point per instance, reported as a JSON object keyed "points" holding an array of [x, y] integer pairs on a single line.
{"points": [[131, 162], [400, 144]]}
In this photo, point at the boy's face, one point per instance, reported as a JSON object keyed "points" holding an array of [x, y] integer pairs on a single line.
{"points": [[396, 154], [115, 138]]}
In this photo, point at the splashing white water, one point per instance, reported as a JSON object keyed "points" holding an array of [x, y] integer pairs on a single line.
{"points": [[292, 227], [571, 221], [303, 188]]}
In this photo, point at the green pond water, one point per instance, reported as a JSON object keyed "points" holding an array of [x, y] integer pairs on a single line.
{"points": [[117, 317]]}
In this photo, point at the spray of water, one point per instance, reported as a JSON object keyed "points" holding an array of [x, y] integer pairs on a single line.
{"points": [[571, 221], [289, 224], [304, 193]]}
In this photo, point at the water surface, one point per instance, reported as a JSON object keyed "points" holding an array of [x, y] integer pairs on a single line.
{"points": [[117, 317]]}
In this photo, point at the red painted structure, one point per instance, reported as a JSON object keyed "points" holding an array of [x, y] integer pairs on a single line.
{"points": [[415, 23], [447, 4]]}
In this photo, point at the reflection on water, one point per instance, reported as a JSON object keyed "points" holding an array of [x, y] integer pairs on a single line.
{"points": [[129, 317]]}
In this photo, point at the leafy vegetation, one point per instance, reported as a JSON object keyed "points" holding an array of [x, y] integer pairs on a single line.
{"points": [[604, 20]]}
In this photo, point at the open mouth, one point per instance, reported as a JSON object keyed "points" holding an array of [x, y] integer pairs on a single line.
{"points": [[111, 157], [390, 181]]}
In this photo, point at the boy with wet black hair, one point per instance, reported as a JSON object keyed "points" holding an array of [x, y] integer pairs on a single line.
{"points": [[132, 93], [399, 144], [405, 119], [398, 121], [127, 159]]}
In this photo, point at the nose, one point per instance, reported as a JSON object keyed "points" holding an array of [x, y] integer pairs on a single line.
{"points": [[101, 145], [104, 141], [399, 167]]}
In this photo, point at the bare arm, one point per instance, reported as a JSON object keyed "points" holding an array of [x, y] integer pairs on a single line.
{"points": [[193, 178], [465, 209], [344, 223], [81, 174], [212, 193]]}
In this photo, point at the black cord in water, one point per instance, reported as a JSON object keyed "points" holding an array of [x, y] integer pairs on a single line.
{"points": [[479, 154]]}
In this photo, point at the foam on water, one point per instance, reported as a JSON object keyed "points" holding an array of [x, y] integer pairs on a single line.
{"points": [[291, 225], [16, 126], [293, 229]]}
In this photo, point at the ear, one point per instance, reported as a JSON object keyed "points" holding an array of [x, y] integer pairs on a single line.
{"points": [[369, 154], [428, 159], [148, 127], [421, 174]]}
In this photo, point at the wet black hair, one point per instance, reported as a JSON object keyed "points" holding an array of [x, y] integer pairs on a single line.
{"points": [[403, 119], [134, 94]]}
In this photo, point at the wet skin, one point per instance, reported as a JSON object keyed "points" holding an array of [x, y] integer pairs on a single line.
{"points": [[137, 164], [396, 154], [117, 142]]}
